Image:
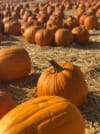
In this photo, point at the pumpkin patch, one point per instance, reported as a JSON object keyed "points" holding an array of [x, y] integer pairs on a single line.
{"points": [[49, 66]]}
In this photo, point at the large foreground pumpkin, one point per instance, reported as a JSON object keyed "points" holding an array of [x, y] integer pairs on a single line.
{"points": [[14, 63], [6, 103], [43, 115], [64, 80]]}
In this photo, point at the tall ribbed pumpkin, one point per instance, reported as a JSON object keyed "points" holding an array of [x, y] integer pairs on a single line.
{"points": [[15, 63], [64, 80], [43, 115]]}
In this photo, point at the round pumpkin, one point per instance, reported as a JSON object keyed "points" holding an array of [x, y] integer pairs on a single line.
{"points": [[44, 37], [63, 37], [12, 27], [81, 34], [91, 22], [64, 80], [29, 33], [43, 115], [6, 103], [14, 63]]}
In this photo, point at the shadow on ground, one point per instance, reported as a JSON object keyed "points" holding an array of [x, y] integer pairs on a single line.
{"points": [[27, 82], [91, 108]]}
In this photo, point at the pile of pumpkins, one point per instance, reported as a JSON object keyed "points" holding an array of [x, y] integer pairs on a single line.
{"points": [[47, 23], [61, 89]]}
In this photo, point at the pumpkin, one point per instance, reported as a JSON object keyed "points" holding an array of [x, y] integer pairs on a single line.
{"points": [[64, 79], [6, 103], [71, 22], [44, 37], [29, 33], [81, 34], [14, 63], [12, 27], [43, 115], [63, 37], [91, 22], [98, 12], [82, 19], [54, 24]]}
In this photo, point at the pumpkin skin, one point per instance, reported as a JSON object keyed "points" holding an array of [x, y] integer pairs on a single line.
{"points": [[14, 63], [43, 115], [63, 37], [81, 34], [91, 22], [68, 83], [29, 33], [6, 103], [12, 27], [44, 37]]}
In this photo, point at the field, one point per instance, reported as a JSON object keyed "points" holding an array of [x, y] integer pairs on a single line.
{"points": [[87, 57]]}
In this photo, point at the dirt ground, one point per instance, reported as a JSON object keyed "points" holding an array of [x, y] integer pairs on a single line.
{"points": [[87, 57]]}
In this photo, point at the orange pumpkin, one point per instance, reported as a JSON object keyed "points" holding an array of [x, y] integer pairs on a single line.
{"points": [[29, 33], [12, 27], [64, 80], [71, 22], [63, 37], [81, 34], [44, 37], [14, 63], [6, 103], [91, 22], [43, 115]]}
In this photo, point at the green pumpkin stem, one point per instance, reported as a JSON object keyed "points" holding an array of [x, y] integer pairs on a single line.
{"points": [[56, 66]]}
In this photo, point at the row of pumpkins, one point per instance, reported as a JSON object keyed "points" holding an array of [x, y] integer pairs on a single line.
{"points": [[61, 88], [47, 24]]}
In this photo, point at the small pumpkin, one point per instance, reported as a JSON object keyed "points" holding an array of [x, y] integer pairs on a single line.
{"points": [[44, 37], [30, 32], [81, 34], [63, 37], [6, 103], [15, 63], [64, 79], [43, 115]]}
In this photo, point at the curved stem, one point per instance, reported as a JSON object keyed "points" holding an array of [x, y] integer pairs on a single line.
{"points": [[56, 66]]}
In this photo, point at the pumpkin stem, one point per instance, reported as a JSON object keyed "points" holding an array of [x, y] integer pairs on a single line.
{"points": [[56, 66]]}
